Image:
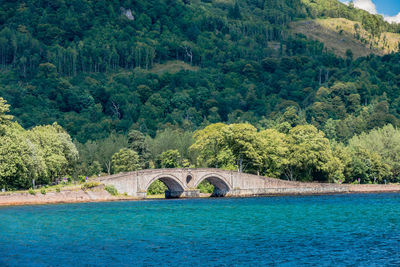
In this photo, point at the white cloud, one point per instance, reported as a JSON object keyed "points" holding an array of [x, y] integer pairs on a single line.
{"points": [[367, 5], [395, 19]]}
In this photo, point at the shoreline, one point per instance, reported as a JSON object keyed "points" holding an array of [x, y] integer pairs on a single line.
{"points": [[100, 195]]}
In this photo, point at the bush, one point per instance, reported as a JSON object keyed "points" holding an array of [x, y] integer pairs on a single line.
{"points": [[31, 191], [89, 185], [58, 189], [112, 190], [43, 191], [82, 178], [157, 188], [206, 187]]}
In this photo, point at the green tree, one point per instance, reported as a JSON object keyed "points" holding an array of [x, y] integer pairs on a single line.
{"points": [[170, 159], [5, 119], [157, 188], [18, 164], [309, 154], [245, 144], [383, 142], [368, 166], [125, 160], [274, 152], [175, 139], [137, 142], [108, 147], [234, 11], [56, 147], [208, 144]]}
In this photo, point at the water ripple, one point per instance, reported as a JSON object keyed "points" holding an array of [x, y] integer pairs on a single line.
{"points": [[341, 230]]}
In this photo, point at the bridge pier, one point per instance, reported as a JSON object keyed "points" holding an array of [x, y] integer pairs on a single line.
{"points": [[182, 194]]}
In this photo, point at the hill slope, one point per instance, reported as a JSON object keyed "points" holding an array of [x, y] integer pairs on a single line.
{"points": [[340, 34], [98, 66]]}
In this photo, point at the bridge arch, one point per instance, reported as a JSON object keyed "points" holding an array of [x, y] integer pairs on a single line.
{"points": [[220, 183], [174, 185]]}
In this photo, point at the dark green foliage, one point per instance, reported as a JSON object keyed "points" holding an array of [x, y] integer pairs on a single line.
{"points": [[234, 11], [101, 74], [137, 142], [85, 64]]}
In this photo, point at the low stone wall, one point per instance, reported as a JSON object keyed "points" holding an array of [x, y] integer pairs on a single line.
{"points": [[98, 194], [289, 191], [371, 188], [67, 196]]}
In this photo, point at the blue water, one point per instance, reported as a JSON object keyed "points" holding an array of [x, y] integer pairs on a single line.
{"points": [[339, 230]]}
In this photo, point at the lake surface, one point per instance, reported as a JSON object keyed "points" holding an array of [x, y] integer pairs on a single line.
{"points": [[361, 230]]}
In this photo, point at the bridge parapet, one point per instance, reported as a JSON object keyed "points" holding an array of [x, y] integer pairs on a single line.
{"points": [[183, 183]]}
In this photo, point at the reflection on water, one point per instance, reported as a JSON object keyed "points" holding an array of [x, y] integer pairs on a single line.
{"points": [[312, 230]]}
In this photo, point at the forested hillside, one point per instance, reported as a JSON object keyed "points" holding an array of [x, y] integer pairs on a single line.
{"points": [[102, 68]]}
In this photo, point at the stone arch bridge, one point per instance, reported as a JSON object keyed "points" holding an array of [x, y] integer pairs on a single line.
{"points": [[184, 182]]}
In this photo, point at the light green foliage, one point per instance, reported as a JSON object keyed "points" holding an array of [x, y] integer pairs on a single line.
{"points": [[208, 145], [96, 156], [309, 153], [91, 70], [274, 150], [4, 117], [377, 152], [125, 160], [170, 159], [89, 185], [108, 147], [245, 144], [236, 146], [368, 166], [31, 191], [157, 188], [111, 189], [43, 191], [54, 145], [44, 153], [170, 139], [383, 141], [206, 187], [18, 162]]}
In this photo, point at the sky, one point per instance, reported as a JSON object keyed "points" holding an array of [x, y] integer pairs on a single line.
{"points": [[390, 9]]}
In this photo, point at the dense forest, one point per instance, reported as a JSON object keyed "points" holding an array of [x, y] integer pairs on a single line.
{"points": [[102, 71]]}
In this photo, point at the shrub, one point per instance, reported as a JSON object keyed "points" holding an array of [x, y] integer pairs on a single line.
{"points": [[89, 185], [112, 190], [43, 191], [206, 187], [58, 189], [82, 178], [157, 188], [31, 191]]}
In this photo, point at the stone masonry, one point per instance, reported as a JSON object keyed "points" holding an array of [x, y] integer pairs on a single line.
{"points": [[184, 182]]}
